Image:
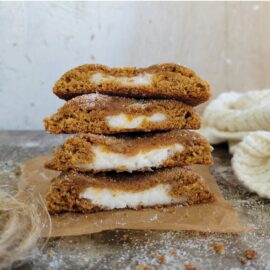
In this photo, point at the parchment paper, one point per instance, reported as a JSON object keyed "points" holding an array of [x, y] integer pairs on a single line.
{"points": [[213, 217]]}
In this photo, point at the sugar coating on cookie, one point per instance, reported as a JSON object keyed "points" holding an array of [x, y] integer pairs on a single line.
{"points": [[158, 81], [96, 153], [103, 114], [81, 192]]}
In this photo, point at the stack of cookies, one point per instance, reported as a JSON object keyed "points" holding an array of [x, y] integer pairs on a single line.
{"points": [[132, 141]]}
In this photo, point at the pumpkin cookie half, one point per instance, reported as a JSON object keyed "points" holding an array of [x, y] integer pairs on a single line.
{"points": [[102, 114], [158, 81], [97, 153], [82, 192]]}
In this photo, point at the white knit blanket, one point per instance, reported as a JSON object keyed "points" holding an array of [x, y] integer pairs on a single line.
{"points": [[243, 120]]}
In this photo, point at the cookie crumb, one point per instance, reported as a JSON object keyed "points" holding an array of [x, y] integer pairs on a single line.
{"points": [[161, 259], [218, 247], [242, 261], [143, 267], [250, 254], [190, 266], [18, 172], [173, 252]]}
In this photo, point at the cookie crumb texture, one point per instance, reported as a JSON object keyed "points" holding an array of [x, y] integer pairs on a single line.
{"points": [[102, 114], [218, 247], [183, 187], [190, 266], [158, 81], [250, 254], [97, 153]]}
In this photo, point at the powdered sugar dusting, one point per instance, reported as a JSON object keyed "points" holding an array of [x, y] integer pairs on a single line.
{"points": [[160, 250], [90, 99]]}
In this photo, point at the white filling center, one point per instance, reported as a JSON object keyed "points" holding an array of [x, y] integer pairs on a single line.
{"points": [[153, 158], [139, 80], [123, 121], [113, 199]]}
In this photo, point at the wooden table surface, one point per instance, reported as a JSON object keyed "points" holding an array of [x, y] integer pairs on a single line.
{"points": [[128, 249]]}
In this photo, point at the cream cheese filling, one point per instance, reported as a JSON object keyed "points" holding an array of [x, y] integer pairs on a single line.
{"points": [[115, 199], [124, 121], [104, 160], [139, 80]]}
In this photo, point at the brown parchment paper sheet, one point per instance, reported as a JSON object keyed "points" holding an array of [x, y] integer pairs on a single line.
{"points": [[213, 217]]}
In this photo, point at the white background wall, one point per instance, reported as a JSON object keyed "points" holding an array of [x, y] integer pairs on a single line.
{"points": [[226, 43]]}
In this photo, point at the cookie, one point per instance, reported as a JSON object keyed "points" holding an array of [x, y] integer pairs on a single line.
{"points": [[87, 193], [97, 153], [158, 81], [102, 114]]}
